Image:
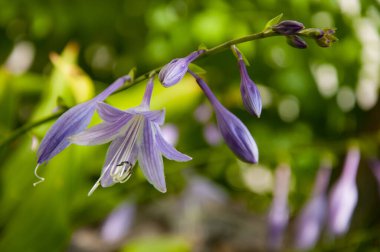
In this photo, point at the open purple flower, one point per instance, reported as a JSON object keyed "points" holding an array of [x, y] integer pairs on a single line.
{"points": [[71, 122], [234, 132], [344, 195], [135, 135], [312, 218], [248, 89], [176, 69]]}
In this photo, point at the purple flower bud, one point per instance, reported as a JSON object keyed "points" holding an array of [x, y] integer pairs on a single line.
{"points": [[296, 42], [288, 27], [310, 222], [248, 89], [344, 195], [279, 213], [175, 70], [234, 132]]}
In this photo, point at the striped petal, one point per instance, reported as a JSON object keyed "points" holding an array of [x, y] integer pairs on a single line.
{"points": [[101, 133], [167, 150], [150, 159], [69, 123], [109, 113]]}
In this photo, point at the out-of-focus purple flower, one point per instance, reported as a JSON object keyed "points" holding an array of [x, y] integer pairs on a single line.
{"points": [[71, 122], [234, 132], [135, 135], [248, 89], [176, 69], [296, 42], [203, 113], [170, 133], [344, 195], [118, 224], [312, 218], [212, 134], [375, 167], [279, 213], [288, 27]]}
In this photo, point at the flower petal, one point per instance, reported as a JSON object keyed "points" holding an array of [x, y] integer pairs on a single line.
{"points": [[101, 133], [167, 150], [112, 88], [122, 149], [156, 116], [150, 159], [109, 113], [69, 123]]}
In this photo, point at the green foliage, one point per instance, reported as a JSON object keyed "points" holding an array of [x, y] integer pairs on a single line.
{"points": [[79, 47]]}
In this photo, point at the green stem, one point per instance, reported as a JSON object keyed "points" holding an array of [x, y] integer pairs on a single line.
{"points": [[224, 46]]}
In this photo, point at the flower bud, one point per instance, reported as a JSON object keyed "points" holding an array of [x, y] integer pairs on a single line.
{"points": [[248, 89], [234, 132], [296, 42], [175, 70], [288, 27], [344, 195], [327, 38]]}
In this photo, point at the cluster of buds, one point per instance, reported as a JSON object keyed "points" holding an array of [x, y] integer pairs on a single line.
{"points": [[234, 132], [294, 31]]}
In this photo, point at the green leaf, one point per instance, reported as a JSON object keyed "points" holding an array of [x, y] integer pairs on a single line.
{"points": [[272, 22]]}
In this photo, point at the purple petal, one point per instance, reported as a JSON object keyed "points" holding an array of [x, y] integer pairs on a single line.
{"points": [[101, 133], [109, 113], [148, 93], [122, 149], [156, 116], [69, 123], [150, 159], [169, 151]]}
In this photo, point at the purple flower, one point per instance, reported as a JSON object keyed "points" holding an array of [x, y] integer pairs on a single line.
{"points": [[176, 69], [311, 220], [234, 132], [344, 195], [279, 213], [248, 89], [135, 135], [71, 122], [288, 27]]}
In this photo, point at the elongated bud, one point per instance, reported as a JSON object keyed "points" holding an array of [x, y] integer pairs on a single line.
{"points": [[234, 132], [249, 92], [312, 218], [175, 70], [296, 42], [288, 27], [279, 213], [344, 195]]}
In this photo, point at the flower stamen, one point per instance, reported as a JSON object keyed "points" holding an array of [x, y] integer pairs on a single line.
{"points": [[41, 179]]}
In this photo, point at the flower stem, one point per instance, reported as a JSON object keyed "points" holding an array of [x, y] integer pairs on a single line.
{"points": [[215, 50]]}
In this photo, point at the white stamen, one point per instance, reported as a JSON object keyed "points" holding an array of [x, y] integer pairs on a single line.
{"points": [[97, 183], [41, 179]]}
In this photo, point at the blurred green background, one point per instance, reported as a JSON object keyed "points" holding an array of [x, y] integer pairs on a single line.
{"points": [[316, 101]]}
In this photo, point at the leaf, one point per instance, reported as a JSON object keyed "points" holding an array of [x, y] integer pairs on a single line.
{"points": [[272, 22]]}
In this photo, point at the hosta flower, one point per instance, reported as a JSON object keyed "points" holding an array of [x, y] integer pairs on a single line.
{"points": [[176, 69], [344, 195], [71, 122], [234, 132], [248, 89], [135, 135], [311, 220], [279, 212]]}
